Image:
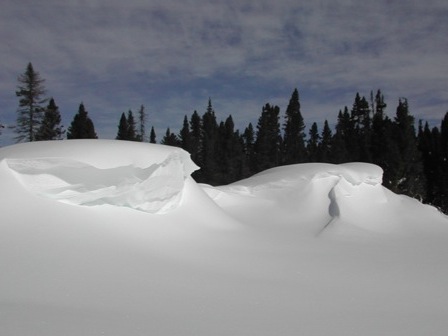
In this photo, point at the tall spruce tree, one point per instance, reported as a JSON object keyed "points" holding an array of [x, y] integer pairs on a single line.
{"points": [[444, 164], [430, 149], [195, 138], [358, 145], [123, 127], [325, 145], [407, 176], [31, 92], [384, 149], [51, 128], [152, 136], [82, 126], [294, 135], [268, 141], [230, 153], [343, 136], [170, 139], [142, 116], [313, 144], [209, 141], [184, 136], [132, 132], [249, 150], [126, 128]]}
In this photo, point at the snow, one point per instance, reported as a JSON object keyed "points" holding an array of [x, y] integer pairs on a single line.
{"points": [[154, 187], [103, 237]]}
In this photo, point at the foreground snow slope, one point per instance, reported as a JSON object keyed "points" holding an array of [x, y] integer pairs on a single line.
{"points": [[115, 238]]}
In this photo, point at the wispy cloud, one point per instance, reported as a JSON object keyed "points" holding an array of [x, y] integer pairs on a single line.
{"points": [[115, 55]]}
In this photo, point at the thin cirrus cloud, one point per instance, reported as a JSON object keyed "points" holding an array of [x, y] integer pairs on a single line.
{"points": [[173, 55]]}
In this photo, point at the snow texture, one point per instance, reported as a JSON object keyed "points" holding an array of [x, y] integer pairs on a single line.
{"points": [[105, 237], [155, 187]]}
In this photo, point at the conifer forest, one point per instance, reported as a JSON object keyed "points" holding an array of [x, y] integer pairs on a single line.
{"points": [[413, 155]]}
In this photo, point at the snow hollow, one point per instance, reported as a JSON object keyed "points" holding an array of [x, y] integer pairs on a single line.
{"points": [[102, 237]]}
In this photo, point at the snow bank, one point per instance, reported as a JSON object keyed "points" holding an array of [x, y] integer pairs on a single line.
{"points": [[320, 198], [149, 178], [311, 249]]}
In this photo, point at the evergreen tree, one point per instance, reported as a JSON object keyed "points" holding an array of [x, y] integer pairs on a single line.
{"points": [[82, 126], [132, 133], [248, 139], [50, 128], [442, 201], [123, 128], [230, 153], [126, 128], [380, 105], [294, 136], [195, 139], [209, 140], [142, 116], [429, 145], [325, 146], [152, 136], [184, 136], [31, 91], [170, 139], [406, 173], [358, 144], [268, 143], [313, 144], [343, 136], [384, 149]]}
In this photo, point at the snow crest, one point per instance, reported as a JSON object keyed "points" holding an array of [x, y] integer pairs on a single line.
{"points": [[335, 196], [154, 187]]}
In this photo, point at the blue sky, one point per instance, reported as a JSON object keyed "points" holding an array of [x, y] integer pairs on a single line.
{"points": [[172, 55]]}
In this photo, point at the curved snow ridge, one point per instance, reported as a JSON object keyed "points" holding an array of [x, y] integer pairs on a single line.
{"points": [[154, 187], [356, 173]]}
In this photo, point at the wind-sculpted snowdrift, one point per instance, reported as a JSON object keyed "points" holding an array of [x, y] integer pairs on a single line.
{"points": [[345, 198], [115, 238], [103, 172]]}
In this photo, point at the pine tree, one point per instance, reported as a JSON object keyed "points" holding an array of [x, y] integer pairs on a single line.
{"points": [[444, 164], [248, 138], [406, 173], [359, 145], [325, 145], [126, 128], [123, 127], [313, 144], [82, 126], [142, 116], [184, 136], [268, 143], [152, 136], [132, 133], [294, 136], [170, 139], [430, 149], [209, 140], [230, 153], [341, 141], [31, 91], [384, 149], [195, 138], [50, 128]]}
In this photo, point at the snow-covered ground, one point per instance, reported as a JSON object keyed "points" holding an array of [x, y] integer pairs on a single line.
{"points": [[105, 237]]}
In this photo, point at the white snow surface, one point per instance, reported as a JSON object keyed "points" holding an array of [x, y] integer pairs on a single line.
{"points": [[102, 237]]}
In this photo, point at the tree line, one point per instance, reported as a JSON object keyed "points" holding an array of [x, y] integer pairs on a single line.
{"points": [[415, 162]]}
